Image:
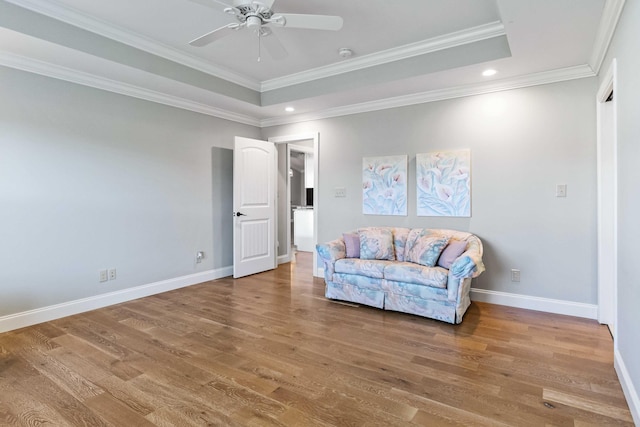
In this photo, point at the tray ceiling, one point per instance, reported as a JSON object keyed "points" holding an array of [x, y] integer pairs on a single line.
{"points": [[404, 52]]}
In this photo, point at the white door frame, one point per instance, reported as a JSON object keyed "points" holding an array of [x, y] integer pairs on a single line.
{"points": [[292, 139], [608, 260]]}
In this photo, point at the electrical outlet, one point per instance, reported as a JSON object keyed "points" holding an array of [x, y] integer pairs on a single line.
{"points": [[199, 256], [112, 274], [561, 190], [515, 275], [339, 192], [104, 275]]}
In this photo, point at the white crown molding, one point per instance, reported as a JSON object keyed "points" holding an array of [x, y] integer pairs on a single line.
{"points": [[446, 41], [58, 72], [606, 29], [81, 20], [610, 16], [62, 73], [69, 308], [138, 41], [546, 77]]}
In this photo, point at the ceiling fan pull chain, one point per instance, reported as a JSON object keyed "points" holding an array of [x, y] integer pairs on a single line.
{"points": [[259, 44]]}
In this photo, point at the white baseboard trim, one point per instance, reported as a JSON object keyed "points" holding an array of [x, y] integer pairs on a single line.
{"points": [[283, 259], [52, 312], [219, 273], [548, 305], [630, 392], [569, 308]]}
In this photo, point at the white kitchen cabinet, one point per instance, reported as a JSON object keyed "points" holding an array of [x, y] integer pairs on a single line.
{"points": [[303, 229]]}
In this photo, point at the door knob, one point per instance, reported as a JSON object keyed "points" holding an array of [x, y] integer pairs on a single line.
{"points": [[240, 214]]}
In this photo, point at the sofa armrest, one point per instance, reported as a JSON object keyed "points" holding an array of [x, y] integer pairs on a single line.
{"points": [[329, 253], [469, 264]]}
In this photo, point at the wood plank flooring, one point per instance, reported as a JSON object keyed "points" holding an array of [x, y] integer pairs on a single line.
{"points": [[269, 349]]}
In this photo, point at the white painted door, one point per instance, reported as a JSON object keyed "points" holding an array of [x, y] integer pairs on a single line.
{"points": [[607, 209], [254, 206]]}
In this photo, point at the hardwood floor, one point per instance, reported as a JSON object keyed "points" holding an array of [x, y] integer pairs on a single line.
{"points": [[269, 349]]}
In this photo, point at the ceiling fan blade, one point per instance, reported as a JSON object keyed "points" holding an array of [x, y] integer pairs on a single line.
{"points": [[312, 22], [214, 35], [222, 3], [210, 3], [275, 48], [266, 3]]}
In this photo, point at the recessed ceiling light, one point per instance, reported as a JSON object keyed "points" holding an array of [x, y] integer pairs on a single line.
{"points": [[289, 109], [488, 73]]}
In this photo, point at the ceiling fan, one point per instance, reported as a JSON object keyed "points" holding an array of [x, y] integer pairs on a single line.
{"points": [[256, 15]]}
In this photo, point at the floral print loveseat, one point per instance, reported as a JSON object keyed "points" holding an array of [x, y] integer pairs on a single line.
{"points": [[420, 271]]}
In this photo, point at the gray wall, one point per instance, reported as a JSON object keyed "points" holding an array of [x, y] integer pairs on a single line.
{"points": [[222, 205], [283, 206], [297, 188], [92, 180], [624, 47], [523, 142]]}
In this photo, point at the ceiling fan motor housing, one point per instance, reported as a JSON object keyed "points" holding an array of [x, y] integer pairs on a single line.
{"points": [[253, 10]]}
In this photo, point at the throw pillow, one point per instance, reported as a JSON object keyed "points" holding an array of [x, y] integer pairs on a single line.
{"points": [[413, 235], [376, 243], [426, 250], [352, 244], [399, 241], [454, 249]]}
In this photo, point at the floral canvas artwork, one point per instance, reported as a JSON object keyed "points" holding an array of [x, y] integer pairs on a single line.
{"points": [[384, 185], [444, 183]]}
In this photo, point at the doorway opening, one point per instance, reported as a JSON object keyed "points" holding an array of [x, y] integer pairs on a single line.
{"points": [[301, 189], [297, 200]]}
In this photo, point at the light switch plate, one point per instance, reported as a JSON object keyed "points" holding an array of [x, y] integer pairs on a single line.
{"points": [[340, 192]]}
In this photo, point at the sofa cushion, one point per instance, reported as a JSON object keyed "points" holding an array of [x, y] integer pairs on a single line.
{"points": [[418, 291], [352, 244], [354, 292], [409, 272], [425, 248], [359, 281], [376, 243], [454, 249], [363, 267]]}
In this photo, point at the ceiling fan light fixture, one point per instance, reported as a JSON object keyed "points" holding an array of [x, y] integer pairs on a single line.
{"points": [[254, 22], [489, 72]]}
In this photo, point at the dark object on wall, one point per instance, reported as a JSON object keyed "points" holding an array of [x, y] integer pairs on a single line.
{"points": [[309, 196]]}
